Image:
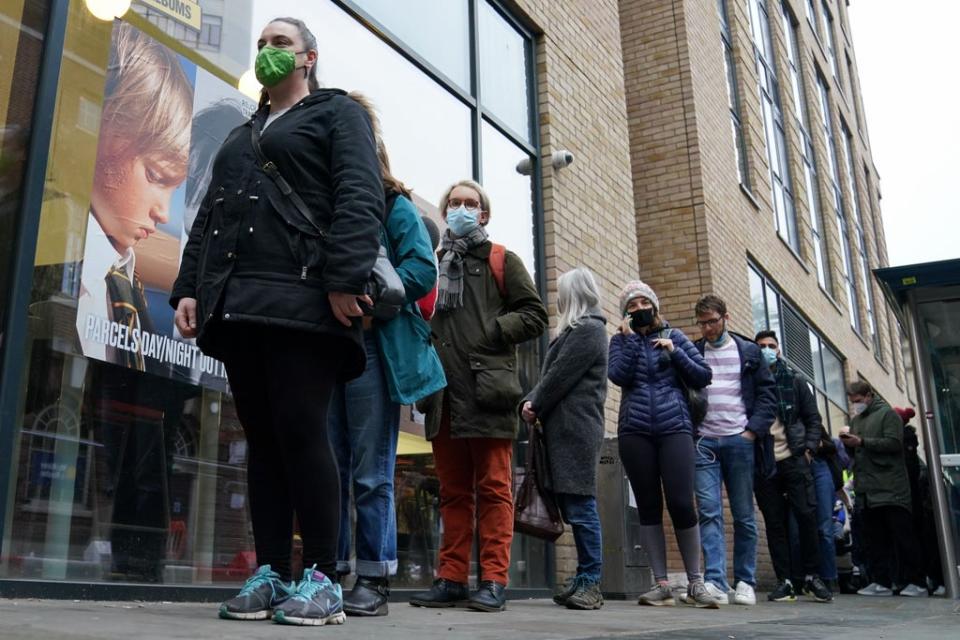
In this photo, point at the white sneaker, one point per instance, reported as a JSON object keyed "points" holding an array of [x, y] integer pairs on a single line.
{"points": [[913, 591], [744, 595], [875, 590], [716, 593], [940, 592]]}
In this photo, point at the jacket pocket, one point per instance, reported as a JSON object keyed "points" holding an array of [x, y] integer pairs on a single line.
{"points": [[496, 383]]}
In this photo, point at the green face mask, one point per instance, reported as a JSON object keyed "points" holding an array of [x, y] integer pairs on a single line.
{"points": [[273, 65]]}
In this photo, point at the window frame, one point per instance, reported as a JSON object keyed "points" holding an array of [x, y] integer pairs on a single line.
{"points": [[733, 98]]}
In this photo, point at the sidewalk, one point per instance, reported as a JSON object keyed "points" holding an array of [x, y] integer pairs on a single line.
{"points": [[850, 618]]}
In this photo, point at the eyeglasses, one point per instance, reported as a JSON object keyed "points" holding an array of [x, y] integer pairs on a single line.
{"points": [[456, 203], [712, 322]]}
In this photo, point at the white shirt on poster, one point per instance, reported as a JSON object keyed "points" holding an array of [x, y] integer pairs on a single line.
{"points": [[99, 256]]}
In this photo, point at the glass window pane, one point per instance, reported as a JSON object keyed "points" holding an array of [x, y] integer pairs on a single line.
{"points": [[511, 195], [503, 71], [438, 30], [773, 311], [757, 302], [833, 371], [815, 352], [425, 129], [21, 43], [837, 416]]}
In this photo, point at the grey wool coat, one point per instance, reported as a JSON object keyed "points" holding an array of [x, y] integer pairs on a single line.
{"points": [[569, 399]]}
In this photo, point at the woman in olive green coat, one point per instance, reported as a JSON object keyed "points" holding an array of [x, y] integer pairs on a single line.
{"points": [[882, 488]]}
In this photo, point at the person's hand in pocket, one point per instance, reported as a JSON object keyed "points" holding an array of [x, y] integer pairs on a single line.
{"points": [[748, 435]]}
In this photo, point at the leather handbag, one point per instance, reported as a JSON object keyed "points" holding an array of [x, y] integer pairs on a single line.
{"points": [[535, 510], [384, 286]]}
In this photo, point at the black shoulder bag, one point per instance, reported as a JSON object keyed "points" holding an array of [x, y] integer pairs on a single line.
{"points": [[384, 286]]}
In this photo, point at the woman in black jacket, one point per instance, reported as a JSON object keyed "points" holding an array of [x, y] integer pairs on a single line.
{"points": [[270, 283]]}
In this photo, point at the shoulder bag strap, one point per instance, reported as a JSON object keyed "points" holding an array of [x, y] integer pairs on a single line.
{"points": [[271, 170]]}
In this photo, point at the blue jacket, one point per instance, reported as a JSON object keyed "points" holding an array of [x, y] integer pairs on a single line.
{"points": [[759, 391], [410, 362], [654, 401]]}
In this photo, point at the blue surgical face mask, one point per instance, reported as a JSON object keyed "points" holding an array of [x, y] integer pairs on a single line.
{"points": [[462, 220], [769, 355]]}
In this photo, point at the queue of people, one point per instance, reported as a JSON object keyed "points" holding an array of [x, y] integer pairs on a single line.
{"points": [[274, 282]]}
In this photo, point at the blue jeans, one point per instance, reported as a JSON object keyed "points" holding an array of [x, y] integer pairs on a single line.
{"points": [[580, 512], [826, 497], [727, 461], [364, 426]]}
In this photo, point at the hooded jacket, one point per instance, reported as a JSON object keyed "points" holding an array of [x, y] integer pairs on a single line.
{"points": [[252, 257]]}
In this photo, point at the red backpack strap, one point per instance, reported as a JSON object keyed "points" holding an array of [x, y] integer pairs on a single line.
{"points": [[497, 261]]}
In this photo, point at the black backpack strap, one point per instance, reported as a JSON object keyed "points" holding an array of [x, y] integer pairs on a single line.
{"points": [[271, 170]]}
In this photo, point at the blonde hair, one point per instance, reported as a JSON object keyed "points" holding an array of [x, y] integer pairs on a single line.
{"points": [[148, 107], [484, 198], [577, 294], [389, 180]]}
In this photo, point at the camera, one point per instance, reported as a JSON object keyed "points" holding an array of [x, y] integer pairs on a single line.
{"points": [[558, 159]]}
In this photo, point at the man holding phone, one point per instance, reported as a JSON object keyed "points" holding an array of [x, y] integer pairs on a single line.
{"points": [[875, 436]]}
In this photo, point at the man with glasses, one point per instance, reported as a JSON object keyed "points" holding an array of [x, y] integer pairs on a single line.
{"points": [[741, 407]]}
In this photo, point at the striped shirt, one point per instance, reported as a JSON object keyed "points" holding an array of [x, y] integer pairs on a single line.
{"points": [[726, 413]]}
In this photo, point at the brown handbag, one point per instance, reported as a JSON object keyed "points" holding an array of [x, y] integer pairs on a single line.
{"points": [[535, 510]]}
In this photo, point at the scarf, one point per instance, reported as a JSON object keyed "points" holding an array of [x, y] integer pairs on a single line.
{"points": [[785, 393], [450, 288]]}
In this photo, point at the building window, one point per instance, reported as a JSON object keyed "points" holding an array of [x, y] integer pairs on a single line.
{"points": [[875, 223], [859, 240], [88, 115], [831, 43], [811, 183], [836, 201], [781, 184], [210, 31], [812, 17], [733, 96], [802, 346]]}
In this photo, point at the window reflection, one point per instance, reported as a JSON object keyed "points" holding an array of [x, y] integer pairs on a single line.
{"points": [[438, 30], [511, 195], [503, 71]]}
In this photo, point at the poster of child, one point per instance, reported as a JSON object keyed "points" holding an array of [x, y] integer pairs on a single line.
{"points": [[162, 121]]}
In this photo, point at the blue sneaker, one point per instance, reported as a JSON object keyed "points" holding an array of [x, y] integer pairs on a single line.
{"points": [[260, 594], [317, 601]]}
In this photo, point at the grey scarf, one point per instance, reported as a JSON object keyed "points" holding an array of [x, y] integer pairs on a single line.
{"points": [[450, 289]]}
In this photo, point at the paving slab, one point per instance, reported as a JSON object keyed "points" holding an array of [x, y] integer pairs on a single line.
{"points": [[849, 617]]}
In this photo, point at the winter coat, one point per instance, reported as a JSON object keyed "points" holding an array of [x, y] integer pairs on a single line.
{"points": [[252, 257], [477, 344], [411, 367], [568, 401], [654, 401], [880, 473], [758, 390]]}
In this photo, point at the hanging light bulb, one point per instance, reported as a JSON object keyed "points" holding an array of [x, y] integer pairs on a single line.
{"points": [[249, 85], [107, 9]]}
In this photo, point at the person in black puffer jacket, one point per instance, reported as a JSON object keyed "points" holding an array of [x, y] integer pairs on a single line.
{"points": [[652, 363], [273, 289]]}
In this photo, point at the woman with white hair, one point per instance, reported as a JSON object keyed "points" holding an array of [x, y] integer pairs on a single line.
{"points": [[568, 401]]}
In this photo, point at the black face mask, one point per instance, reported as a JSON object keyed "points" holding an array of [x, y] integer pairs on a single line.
{"points": [[640, 319]]}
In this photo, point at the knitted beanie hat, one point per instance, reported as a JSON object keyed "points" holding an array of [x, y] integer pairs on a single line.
{"points": [[637, 289], [905, 414]]}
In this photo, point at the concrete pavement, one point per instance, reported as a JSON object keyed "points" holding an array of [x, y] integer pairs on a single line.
{"points": [[849, 617]]}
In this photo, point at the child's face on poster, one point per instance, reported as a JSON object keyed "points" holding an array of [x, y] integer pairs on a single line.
{"points": [[132, 197]]}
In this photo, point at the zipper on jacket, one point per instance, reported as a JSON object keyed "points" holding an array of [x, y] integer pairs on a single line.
{"points": [[303, 273]]}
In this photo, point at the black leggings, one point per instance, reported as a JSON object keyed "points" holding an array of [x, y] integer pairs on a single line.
{"points": [[282, 381], [648, 460]]}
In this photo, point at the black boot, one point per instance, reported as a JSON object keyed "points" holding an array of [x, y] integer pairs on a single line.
{"points": [[490, 596], [443, 593], [367, 598]]}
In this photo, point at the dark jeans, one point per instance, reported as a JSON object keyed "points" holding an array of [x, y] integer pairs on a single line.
{"points": [[890, 529], [282, 381], [580, 512], [790, 491]]}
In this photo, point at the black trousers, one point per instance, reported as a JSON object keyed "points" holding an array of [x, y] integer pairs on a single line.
{"points": [[890, 529], [670, 460], [791, 490], [282, 381]]}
